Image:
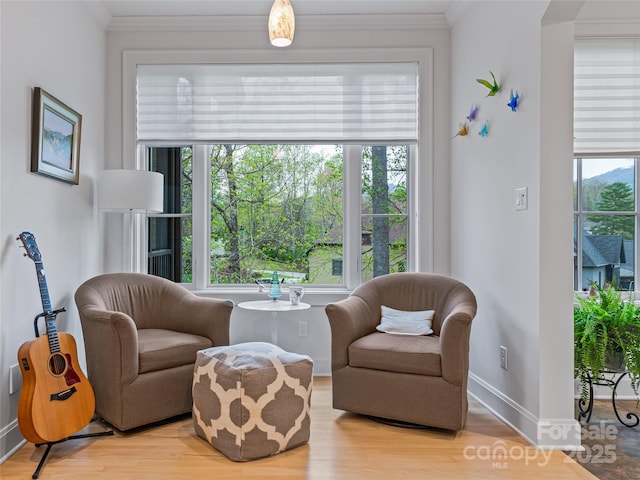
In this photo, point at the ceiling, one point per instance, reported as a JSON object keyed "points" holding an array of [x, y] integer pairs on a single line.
{"points": [[592, 10], [127, 8]]}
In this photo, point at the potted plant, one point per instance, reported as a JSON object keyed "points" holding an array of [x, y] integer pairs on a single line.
{"points": [[606, 336]]}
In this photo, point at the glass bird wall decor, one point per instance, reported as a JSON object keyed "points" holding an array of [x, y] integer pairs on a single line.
{"points": [[492, 86]]}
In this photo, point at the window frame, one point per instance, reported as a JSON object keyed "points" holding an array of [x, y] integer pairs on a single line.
{"points": [[420, 201], [579, 213], [352, 208]]}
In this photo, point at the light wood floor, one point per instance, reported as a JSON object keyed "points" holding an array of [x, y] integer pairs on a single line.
{"points": [[343, 446]]}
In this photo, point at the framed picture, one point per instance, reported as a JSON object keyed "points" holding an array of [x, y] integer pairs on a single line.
{"points": [[55, 138]]}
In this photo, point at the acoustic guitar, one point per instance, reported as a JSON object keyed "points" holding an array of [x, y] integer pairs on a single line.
{"points": [[56, 399]]}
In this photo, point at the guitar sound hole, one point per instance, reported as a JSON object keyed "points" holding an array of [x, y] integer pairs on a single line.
{"points": [[57, 364]]}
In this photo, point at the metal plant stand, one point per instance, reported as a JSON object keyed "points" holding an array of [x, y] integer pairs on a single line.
{"points": [[586, 407]]}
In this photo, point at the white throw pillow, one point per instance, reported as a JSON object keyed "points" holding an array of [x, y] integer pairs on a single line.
{"points": [[400, 322]]}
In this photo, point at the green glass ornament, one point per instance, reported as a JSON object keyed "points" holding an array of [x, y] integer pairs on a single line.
{"points": [[274, 292]]}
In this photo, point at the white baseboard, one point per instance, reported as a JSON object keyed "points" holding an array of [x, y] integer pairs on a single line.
{"points": [[6, 433], [543, 433]]}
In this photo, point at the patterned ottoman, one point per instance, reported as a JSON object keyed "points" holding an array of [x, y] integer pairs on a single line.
{"points": [[251, 400]]}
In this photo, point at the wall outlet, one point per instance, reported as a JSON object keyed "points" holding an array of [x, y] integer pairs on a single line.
{"points": [[503, 357], [303, 328], [15, 379]]}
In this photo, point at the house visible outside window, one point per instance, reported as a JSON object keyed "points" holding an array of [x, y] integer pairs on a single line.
{"points": [[605, 222], [302, 169], [607, 148]]}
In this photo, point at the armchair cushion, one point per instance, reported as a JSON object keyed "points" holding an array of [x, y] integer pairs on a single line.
{"points": [[419, 355], [160, 349]]}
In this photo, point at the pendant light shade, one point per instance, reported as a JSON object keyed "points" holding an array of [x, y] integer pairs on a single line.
{"points": [[282, 23]]}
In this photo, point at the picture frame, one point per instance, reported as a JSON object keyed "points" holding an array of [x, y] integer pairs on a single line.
{"points": [[55, 138]]}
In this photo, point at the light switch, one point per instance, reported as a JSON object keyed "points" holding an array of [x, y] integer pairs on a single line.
{"points": [[522, 200]]}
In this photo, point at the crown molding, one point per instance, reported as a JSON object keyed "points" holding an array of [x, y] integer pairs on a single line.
{"points": [[607, 28], [252, 23], [456, 10], [185, 23], [99, 12]]}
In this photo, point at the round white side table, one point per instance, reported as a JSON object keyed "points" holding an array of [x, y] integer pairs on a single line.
{"points": [[274, 307]]}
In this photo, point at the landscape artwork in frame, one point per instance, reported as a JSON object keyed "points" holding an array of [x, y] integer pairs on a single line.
{"points": [[55, 144]]}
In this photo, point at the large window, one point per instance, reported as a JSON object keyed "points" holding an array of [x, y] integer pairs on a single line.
{"points": [[606, 149], [280, 207], [307, 168]]}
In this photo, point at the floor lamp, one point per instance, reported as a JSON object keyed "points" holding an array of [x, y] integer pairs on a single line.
{"points": [[131, 192]]}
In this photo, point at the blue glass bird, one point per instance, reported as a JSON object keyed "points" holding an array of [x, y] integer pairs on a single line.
{"points": [[513, 102], [484, 130], [473, 112]]}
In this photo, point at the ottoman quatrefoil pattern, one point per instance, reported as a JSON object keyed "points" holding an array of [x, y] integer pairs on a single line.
{"points": [[251, 400]]}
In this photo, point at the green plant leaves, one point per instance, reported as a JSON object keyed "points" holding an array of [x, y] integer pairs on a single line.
{"points": [[604, 322]]}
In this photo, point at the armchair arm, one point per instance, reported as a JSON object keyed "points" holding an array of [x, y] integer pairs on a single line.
{"points": [[207, 317], [349, 319], [454, 343], [111, 345]]}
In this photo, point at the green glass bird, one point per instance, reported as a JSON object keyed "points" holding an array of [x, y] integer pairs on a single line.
{"points": [[493, 87]]}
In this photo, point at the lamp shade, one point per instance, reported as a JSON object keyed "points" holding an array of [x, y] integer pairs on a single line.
{"points": [[282, 23], [137, 191]]}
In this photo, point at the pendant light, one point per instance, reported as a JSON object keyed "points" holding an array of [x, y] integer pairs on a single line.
{"points": [[282, 23]]}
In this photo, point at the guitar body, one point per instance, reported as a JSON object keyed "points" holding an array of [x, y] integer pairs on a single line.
{"points": [[56, 400]]}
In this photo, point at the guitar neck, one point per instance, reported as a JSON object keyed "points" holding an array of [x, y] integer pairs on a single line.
{"points": [[44, 291], [50, 318]]}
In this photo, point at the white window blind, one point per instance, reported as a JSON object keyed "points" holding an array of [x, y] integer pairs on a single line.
{"points": [[347, 103], [607, 97]]}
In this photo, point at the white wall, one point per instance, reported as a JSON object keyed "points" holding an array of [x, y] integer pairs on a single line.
{"points": [[59, 46], [516, 263], [317, 34]]}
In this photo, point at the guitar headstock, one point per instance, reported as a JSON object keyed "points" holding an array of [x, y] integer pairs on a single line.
{"points": [[30, 246]]}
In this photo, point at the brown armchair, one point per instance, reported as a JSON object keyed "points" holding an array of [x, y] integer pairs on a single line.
{"points": [[407, 378], [141, 335]]}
